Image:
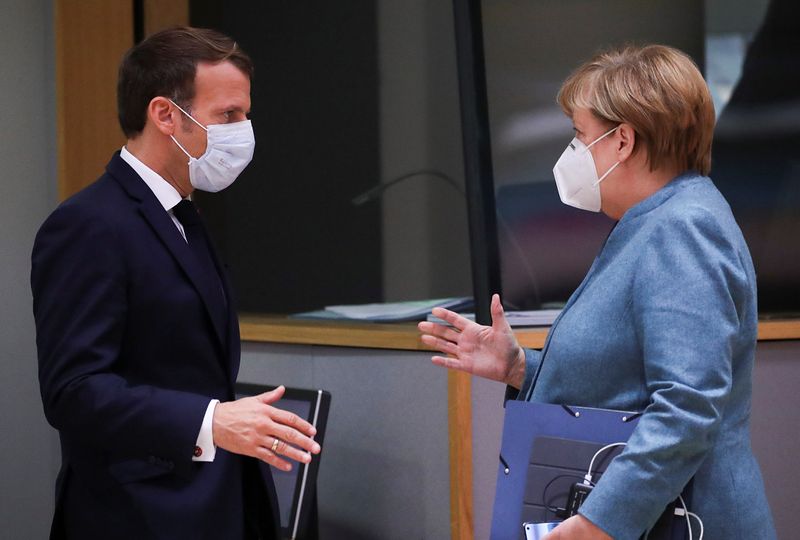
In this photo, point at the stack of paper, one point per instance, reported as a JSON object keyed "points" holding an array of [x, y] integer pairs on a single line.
{"points": [[415, 310], [537, 317]]}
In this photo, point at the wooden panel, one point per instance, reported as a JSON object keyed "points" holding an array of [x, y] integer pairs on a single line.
{"points": [[399, 336], [532, 338], [161, 14], [404, 336], [91, 37], [277, 329], [778, 330], [459, 412]]}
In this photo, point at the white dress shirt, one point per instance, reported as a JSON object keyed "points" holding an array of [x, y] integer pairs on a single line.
{"points": [[168, 196]]}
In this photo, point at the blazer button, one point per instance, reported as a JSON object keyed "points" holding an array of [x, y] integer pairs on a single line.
{"points": [[198, 451]]}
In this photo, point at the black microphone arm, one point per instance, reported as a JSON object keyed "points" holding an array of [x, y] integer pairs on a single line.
{"points": [[376, 191]]}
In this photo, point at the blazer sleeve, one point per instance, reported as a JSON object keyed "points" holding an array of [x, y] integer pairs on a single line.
{"points": [[533, 358], [689, 289], [78, 279]]}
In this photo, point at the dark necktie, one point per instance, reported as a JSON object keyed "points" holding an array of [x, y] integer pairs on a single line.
{"points": [[199, 245]]}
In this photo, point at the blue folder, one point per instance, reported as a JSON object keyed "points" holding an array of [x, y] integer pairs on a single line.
{"points": [[545, 449]]}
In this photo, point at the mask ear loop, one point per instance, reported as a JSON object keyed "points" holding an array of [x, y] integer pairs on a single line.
{"points": [[190, 156], [601, 137], [614, 166], [597, 140], [182, 149], [206, 129]]}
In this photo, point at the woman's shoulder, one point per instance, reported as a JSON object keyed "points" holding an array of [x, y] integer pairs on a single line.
{"points": [[698, 207], [695, 228]]}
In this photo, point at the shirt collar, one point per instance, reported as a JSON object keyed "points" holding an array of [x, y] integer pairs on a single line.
{"points": [[167, 195]]}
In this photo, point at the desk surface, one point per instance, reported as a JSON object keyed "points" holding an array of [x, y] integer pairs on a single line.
{"points": [[404, 336]]}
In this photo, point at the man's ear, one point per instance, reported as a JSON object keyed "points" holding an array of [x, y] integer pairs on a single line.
{"points": [[626, 141], [161, 113]]}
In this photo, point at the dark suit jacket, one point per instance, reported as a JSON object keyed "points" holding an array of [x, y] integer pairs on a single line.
{"points": [[129, 357]]}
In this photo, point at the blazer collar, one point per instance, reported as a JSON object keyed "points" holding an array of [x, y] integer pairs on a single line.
{"points": [[658, 198]]}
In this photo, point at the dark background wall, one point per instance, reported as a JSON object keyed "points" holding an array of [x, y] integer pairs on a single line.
{"points": [[286, 228]]}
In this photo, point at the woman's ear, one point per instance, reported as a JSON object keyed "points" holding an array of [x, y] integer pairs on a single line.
{"points": [[162, 115], [626, 141]]}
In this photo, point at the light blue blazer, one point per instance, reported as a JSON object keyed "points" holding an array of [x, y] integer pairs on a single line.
{"points": [[665, 323]]}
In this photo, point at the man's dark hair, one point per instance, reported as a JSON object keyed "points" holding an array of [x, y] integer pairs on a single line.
{"points": [[165, 64]]}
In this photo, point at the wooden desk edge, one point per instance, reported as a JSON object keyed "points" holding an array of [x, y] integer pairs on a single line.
{"points": [[404, 336]]}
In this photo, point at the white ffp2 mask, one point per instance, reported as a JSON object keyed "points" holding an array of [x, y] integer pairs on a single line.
{"points": [[229, 149], [576, 175]]}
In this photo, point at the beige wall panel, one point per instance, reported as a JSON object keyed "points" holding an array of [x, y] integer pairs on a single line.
{"points": [[161, 14], [91, 37]]}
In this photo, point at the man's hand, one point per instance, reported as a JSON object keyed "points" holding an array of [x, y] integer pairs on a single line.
{"points": [[577, 528], [491, 352], [253, 427]]}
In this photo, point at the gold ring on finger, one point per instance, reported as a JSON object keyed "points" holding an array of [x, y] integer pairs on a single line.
{"points": [[275, 445]]}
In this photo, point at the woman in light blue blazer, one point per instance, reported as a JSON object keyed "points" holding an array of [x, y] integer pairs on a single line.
{"points": [[665, 320]]}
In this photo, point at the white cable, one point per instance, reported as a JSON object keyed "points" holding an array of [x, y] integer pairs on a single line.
{"points": [[700, 521], [678, 511], [686, 515], [588, 478]]}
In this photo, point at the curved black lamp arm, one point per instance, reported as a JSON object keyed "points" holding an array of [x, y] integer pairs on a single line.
{"points": [[377, 191]]}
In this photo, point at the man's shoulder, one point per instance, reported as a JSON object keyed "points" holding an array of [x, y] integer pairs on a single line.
{"points": [[93, 202], [105, 196], [103, 203]]}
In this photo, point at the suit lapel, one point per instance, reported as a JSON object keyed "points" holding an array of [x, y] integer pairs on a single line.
{"points": [[232, 320], [209, 291], [160, 221]]}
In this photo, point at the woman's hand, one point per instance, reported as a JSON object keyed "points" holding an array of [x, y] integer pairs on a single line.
{"points": [[577, 528], [487, 351]]}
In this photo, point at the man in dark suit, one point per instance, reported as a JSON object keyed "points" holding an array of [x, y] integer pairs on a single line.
{"points": [[137, 334]]}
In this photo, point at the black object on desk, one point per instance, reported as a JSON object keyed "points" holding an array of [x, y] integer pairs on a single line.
{"points": [[297, 489]]}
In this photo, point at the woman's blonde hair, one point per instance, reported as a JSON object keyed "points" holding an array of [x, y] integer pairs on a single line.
{"points": [[659, 92]]}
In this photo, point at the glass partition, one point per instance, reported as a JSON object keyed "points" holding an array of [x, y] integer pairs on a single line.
{"points": [[531, 47]]}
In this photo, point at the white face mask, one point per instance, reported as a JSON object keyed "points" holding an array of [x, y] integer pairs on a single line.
{"points": [[229, 149], [576, 175]]}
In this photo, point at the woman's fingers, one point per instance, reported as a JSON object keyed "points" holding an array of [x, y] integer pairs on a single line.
{"points": [[449, 362], [439, 344], [452, 318], [439, 330], [498, 314]]}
